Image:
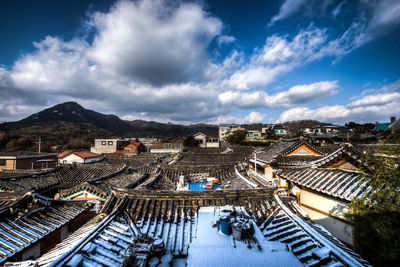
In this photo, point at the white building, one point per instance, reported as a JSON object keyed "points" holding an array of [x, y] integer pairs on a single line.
{"points": [[206, 140], [78, 157], [109, 145]]}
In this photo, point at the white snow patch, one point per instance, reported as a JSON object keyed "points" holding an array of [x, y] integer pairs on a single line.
{"points": [[211, 248]]}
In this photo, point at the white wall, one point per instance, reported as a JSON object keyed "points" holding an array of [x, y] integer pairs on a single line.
{"points": [[213, 144], [337, 208], [165, 150], [72, 158]]}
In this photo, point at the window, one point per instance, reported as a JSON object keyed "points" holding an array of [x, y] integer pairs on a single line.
{"points": [[2, 162], [103, 143], [64, 161], [110, 143]]}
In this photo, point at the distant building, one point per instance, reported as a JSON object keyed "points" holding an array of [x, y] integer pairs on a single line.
{"points": [[27, 160], [109, 145], [134, 148], [206, 140], [170, 145], [78, 157], [280, 130], [253, 135], [225, 131], [329, 134]]}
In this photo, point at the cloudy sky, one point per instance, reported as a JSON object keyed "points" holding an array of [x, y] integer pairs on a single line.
{"points": [[203, 61]]}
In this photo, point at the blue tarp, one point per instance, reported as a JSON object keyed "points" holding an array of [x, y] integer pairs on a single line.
{"points": [[200, 186]]}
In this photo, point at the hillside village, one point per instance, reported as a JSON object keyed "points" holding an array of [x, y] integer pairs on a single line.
{"points": [[264, 194]]}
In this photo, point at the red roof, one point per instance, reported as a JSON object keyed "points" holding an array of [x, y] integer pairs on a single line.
{"points": [[64, 153], [119, 152], [81, 154]]}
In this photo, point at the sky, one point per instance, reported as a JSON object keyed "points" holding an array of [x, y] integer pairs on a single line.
{"points": [[203, 61]]}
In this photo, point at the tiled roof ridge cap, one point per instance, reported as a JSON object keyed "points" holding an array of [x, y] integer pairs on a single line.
{"points": [[340, 253]]}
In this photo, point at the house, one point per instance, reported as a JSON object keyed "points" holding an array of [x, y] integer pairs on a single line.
{"points": [[34, 224], [275, 129], [170, 145], [279, 130], [253, 135], [81, 157], [323, 179], [185, 236], [27, 160], [134, 148], [322, 134], [225, 131], [381, 127], [109, 145], [206, 140]]}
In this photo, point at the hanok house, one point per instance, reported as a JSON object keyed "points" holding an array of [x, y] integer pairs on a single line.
{"points": [[27, 160], [178, 229], [32, 225], [324, 179], [134, 148], [80, 157], [206, 140], [109, 145], [325, 187]]}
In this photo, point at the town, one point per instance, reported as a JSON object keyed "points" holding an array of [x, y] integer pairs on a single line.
{"points": [[199, 133], [275, 194]]}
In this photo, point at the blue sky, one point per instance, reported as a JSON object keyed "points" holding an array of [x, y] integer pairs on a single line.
{"points": [[203, 61]]}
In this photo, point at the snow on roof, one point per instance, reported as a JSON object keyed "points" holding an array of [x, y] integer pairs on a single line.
{"points": [[211, 247]]}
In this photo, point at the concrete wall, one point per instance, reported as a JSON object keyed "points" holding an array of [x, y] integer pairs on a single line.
{"points": [[104, 146], [327, 212]]}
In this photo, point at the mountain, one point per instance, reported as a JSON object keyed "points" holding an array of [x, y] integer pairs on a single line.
{"points": [[162, 130], [72, 126], [75, 113]]}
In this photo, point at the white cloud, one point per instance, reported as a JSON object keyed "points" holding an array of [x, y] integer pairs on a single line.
{"points": [[377, 105], [252, 117], [288, 8], [295, 95], [225, 39], [372, 20], [278, 56], [149, 41], [145, 63]]}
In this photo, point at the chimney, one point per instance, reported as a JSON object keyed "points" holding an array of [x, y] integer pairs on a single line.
{"points": [[392, 119]]}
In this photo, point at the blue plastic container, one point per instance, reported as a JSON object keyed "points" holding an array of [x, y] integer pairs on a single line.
{"points": [[226, 224]]}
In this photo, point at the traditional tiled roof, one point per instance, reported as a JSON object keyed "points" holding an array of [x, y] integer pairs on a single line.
{"points": [[23, 224], [344, 150], [63, 247], [336, 183], [271, 152], [83, 173], [102, 187], [33, 182], [312, 247], [108, 243], [173, 218]]}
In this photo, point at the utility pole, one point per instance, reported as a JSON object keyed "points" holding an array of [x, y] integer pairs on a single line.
{"points": [[39, 143]]}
